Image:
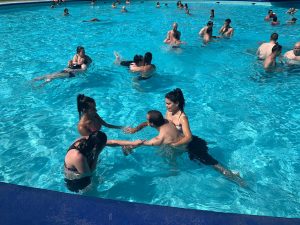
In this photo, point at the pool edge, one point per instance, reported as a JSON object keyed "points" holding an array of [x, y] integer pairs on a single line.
{"points": [[25, 205]]}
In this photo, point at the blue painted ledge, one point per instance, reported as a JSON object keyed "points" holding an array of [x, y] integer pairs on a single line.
{"points": [[21, 205]]}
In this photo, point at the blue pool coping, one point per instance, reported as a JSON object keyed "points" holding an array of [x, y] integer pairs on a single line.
{"points": [[20, 205]]}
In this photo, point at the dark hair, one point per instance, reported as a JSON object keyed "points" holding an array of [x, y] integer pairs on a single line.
{"points": [[277, 48], [97, 139], [83, 103], [294, 19], [228, 20], [275, 19], [270, 10], [210, 23], [148, 58], [274, 37], [212, 10], [209, 30], [156, 118], [176, 96], [66, 10], [137, 59], [79, 48]]}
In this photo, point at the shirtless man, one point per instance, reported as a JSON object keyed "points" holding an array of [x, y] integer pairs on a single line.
{"points": [[293, 56], [270, 61], [79, 63], [226, 30], [266, 48], [168, 135], [173, 36]]}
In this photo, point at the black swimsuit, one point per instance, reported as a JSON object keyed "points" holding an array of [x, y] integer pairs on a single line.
{"points": [[198, 150], [79, 184]]}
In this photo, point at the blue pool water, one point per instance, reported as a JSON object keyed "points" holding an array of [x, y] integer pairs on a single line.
{"points": [[250, 118]]}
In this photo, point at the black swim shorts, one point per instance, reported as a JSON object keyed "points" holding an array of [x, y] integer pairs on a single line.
{"points": [[78, 184], [198, 150]]}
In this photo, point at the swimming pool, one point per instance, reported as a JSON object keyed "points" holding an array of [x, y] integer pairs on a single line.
{"points": [[249, 118]]}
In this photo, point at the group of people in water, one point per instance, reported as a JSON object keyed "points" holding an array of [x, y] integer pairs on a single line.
{"points": [[173, 129], [173, 133]]}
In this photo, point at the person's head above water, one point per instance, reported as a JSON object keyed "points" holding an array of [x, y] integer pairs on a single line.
{"points": [[80, 51], [210, 24], [84, 104], [137, 59], [176, 97], [228, 21], [274, 37], [274, 18], [175, 26], [95, 142], [270, 11], [66, 11], [296, 49], [148, 58], [155, 118]]}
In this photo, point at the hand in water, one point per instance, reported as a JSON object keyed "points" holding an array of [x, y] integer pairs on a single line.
{"points": [[129, 130]]}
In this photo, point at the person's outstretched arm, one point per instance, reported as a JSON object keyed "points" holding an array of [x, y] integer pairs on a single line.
{"points": [[109, 125], [130, 130]]}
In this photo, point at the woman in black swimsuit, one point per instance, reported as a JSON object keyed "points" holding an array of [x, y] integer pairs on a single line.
{"points": [[81, 160]]}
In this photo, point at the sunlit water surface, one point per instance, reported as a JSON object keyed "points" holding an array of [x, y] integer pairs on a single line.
{"points": [[249, 118]]}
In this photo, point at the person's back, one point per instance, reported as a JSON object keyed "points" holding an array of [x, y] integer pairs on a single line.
{"points": [[265, 49], [169, 133]]}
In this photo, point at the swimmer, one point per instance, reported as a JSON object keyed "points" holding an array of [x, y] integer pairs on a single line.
{"points": [[292, 57], [91, 20], [173, 36], [275, 21], [127, 2], [212, 14], [79, 63], [270, 61], [169, 135], [89, 119], [66, 12], [187, 11], [146, 69], [292, 21], [113, 5], [226, 30], [265, 49], [166, 5], [157, 5], [124, 10], [270, 15], [138, 60], [81, 160], [209, 24], [93, 2], [292, 11]]}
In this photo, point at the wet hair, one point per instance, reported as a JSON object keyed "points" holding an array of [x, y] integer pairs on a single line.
{"points": [[137, 59], [79, 48], [66, 10], [275, 19], [156, 118], [277, 48], [294, 19], [176, 96], [212, 10], [97, 138], [209, 30], [148, 58], [210, 23], [270, 10], [83, 103], [274, 37], [228, 21]]}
